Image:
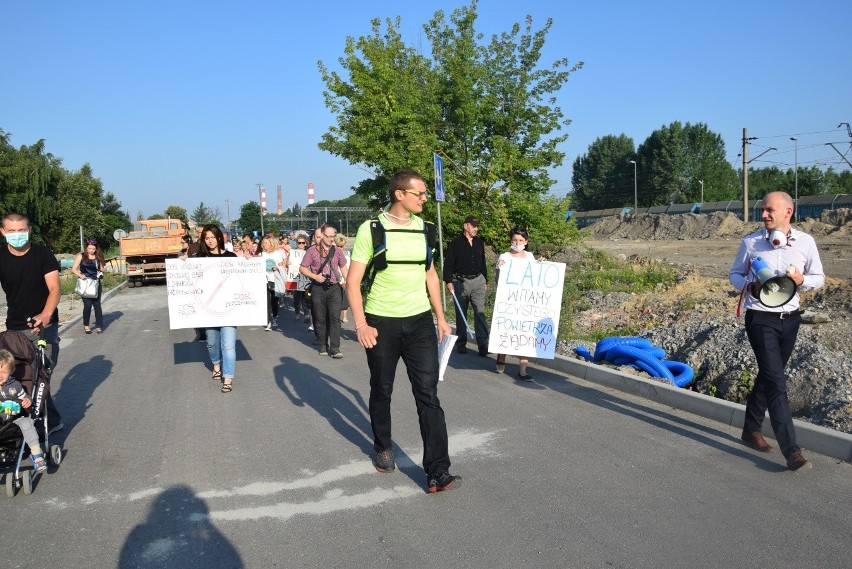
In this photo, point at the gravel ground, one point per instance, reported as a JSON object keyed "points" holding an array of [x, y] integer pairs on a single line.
{"points": [[695, 320]]}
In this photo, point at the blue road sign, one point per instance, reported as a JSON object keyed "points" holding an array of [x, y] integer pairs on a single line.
{"points": [[439, 178]]}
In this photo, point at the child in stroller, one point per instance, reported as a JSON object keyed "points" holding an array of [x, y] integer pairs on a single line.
{"points": [[13, 400]]}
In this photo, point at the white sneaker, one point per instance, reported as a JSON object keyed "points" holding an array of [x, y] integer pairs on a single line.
{"points": [[311, 327], [268, 327]]}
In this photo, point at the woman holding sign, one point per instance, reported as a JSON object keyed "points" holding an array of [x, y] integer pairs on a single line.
{"points": [[274, 258], [518, 237], [221, 341]]}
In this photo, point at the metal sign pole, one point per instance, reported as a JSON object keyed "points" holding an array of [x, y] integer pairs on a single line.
{"points": [[439, 197]]}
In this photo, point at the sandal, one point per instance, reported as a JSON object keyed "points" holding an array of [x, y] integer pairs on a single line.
{"points": [[501, 364], [226, 388], [98, 331], [217, 375], [39, 462], [87, 330]]}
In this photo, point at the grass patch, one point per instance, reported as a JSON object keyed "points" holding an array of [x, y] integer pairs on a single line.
{"points": [[68, 281], [592, 270]]}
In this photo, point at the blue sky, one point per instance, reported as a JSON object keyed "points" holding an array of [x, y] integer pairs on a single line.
{"points": [[178, 102]]}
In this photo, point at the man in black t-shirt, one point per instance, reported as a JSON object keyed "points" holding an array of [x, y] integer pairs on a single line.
{"points": [[29, 275]]}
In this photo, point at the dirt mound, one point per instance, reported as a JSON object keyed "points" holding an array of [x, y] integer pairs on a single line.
{"points": [[718, 225]]}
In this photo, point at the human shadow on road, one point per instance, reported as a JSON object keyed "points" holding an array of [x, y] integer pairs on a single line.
{"points": [[714, 438], [111, 317], [306, 385], [190, 351], [75, 391], [177, 533]]}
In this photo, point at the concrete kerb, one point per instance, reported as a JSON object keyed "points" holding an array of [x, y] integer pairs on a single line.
{"points": [[79, 316], [819, 439]]}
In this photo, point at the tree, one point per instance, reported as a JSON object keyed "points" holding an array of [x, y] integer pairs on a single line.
{"points": [[249, 219], [488, 110], [603, 178], [80, 196], [176, 212], [674, 158]]}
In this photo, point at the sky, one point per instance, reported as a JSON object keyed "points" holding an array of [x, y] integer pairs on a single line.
{"points": [[182, 102]]}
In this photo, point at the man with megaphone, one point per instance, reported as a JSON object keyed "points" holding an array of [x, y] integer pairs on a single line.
{"points": [[772, 265]]}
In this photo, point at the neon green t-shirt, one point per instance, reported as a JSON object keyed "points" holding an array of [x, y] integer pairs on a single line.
{"points": [[399, 290]]}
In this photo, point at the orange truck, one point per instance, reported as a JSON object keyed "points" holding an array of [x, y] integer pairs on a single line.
{"points": [[146, 248]]}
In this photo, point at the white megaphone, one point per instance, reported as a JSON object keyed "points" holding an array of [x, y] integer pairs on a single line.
{"points": [[775, 290]]}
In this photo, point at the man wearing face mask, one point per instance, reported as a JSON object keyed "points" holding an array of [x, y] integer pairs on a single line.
{"points": [[772, 332], [465, 275], [29, 275]]}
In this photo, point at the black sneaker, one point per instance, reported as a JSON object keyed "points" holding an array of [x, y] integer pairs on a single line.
{"points": [[384, 462], [483, 351], [461, 349], [443, 481]]}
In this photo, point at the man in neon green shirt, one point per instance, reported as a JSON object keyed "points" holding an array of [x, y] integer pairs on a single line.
{"points": [[397, 322]]}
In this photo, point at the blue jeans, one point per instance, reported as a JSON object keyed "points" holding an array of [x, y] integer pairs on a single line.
{"points": [[222, 347], [412, 338], [772, 341]]}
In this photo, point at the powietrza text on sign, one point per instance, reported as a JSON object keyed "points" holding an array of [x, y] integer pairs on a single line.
{"points": [[527, 306]]}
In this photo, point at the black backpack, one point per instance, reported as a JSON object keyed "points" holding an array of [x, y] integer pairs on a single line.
{"points": [[379, 261]]}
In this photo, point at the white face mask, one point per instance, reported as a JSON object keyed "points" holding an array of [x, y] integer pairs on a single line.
{"points": [[518, 247]]}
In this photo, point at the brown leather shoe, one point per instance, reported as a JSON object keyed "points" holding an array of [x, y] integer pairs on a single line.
{"points": [[757, 442], [797, 462]]}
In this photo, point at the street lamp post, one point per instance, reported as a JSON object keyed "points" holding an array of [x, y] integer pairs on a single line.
{"points": [[635, 191], [702, 190], [796, 198]]}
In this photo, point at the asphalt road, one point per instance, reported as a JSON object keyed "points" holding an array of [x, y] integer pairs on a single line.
{"points": [[162, 470]]}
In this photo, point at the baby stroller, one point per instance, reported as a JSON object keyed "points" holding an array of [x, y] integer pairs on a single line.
{"points": [[32, 369]]}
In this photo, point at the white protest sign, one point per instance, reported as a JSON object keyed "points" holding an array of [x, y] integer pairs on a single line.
{"points": [[208, 292], [527, 306], [295, 279]]}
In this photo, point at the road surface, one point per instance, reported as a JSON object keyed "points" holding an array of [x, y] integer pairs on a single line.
{"points": [[160, 469]]}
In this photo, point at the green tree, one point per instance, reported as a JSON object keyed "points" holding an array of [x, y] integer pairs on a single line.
{"points": [[249, 219], [603, 177], [201, 214], [673, 159], [176, 212], [80, 196], [113, 218], [488, 109]]}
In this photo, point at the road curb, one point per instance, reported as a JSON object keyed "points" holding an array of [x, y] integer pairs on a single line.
{"points": [[814, 437], [75, 319]]}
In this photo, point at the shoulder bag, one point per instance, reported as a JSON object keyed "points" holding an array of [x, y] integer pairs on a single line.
{"points": [[87, 288]]}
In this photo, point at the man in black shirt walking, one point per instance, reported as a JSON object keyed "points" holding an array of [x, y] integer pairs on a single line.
{"points": [[465, 275]]}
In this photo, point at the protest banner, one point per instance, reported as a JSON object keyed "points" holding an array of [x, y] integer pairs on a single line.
{"points": [[207, 292], [527, 306], [295, 279]]}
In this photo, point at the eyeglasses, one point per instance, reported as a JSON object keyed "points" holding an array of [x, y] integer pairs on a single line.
{"points": [[421, 195], [301, 243], [332, 236]]}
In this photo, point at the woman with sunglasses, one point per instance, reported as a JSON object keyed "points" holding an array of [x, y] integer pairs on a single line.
{"points": [[518, 238], [299, 301], [90, 264], [222, 340]]}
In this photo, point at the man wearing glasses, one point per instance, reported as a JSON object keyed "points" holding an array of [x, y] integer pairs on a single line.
{"points": [[397, 323], [465, 275], [325, 265]]}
